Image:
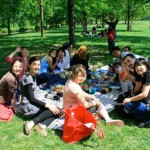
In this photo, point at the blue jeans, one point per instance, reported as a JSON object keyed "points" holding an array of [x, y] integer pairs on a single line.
{"points": [[139, 110], [50, 79]]}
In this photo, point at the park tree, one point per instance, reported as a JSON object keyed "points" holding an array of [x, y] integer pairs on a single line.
{"points": [[128, 9], [134, 9], [83, 10], [99, 10], [71, 21], [9, 9], [29, 11], [56, 12], [41, 18]]}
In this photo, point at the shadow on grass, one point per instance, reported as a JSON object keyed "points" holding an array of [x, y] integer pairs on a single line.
{"points": [[125, 30], [97, 47], [82, 142], [128, 119]]}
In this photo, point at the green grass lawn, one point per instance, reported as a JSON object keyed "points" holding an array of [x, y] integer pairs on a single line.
{"points": [[128, 137]]}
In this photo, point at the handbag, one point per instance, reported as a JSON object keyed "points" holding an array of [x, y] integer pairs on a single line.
{"points": [[6, 113], [79, 123]]}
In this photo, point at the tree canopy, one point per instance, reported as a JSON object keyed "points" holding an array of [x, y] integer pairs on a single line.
{"points": [[22, 15]]}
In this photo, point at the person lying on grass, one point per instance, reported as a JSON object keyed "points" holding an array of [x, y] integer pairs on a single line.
{"points": [[139, 105], [73, 95]]}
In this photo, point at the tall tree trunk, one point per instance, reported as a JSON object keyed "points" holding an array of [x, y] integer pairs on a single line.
{"points": [[71, 21], [125, 20], [42, 18], [128, 15], [8, 25], [103, 23], [84, 19], [96, 21], [36, 24]]}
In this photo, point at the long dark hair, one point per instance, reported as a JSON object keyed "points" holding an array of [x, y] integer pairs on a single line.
{"points": [[142, 61], [49, 53]]}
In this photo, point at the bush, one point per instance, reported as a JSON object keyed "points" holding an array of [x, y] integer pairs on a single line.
{"points": [[37, 27], [27, 28], [22, 29], [4, 30], [32, 28]]}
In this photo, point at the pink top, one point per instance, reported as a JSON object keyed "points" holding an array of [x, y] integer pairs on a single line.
{"points": [[25, 64], [70, 90]]}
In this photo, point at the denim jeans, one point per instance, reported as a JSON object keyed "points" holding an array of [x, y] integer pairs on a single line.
{"points": [[50, 79], [139, 110], [111, 44]]}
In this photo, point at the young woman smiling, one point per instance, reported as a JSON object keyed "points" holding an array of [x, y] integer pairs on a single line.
{"points": [[23, 54], [9, 83], [31, 106], [139, 105], [73, 95]]}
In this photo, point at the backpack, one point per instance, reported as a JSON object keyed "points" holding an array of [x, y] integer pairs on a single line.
{"points": [[6, 113]]}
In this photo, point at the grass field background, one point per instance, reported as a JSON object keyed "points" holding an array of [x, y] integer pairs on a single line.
{"points": [[128, 137]]}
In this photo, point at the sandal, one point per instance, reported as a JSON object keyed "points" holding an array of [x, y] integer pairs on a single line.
{"points": [[40, 130]]}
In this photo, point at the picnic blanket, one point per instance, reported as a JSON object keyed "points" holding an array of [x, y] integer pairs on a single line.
{"points": [[106, 99]]}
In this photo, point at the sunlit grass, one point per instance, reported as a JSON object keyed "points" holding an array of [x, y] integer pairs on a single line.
{"points": [[129, 137]]}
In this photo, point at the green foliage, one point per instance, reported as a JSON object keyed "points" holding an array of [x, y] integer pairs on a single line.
{"points": [[15, 29], [26, 13], [4, 30]]}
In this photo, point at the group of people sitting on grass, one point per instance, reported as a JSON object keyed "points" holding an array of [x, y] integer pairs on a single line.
{"points": [[109, 33], [134, 75], [19, 86], [94, 32]]}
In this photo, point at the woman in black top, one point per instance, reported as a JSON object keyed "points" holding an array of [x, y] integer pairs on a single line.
{"points": [[31, 106], [81, 57], [139, 105]]}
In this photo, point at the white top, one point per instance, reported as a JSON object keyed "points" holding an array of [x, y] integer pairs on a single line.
{"points": [[59, 68], [66, 60]]}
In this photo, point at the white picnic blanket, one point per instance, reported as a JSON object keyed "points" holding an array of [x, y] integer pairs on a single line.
{"points": [[106, 99]]}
